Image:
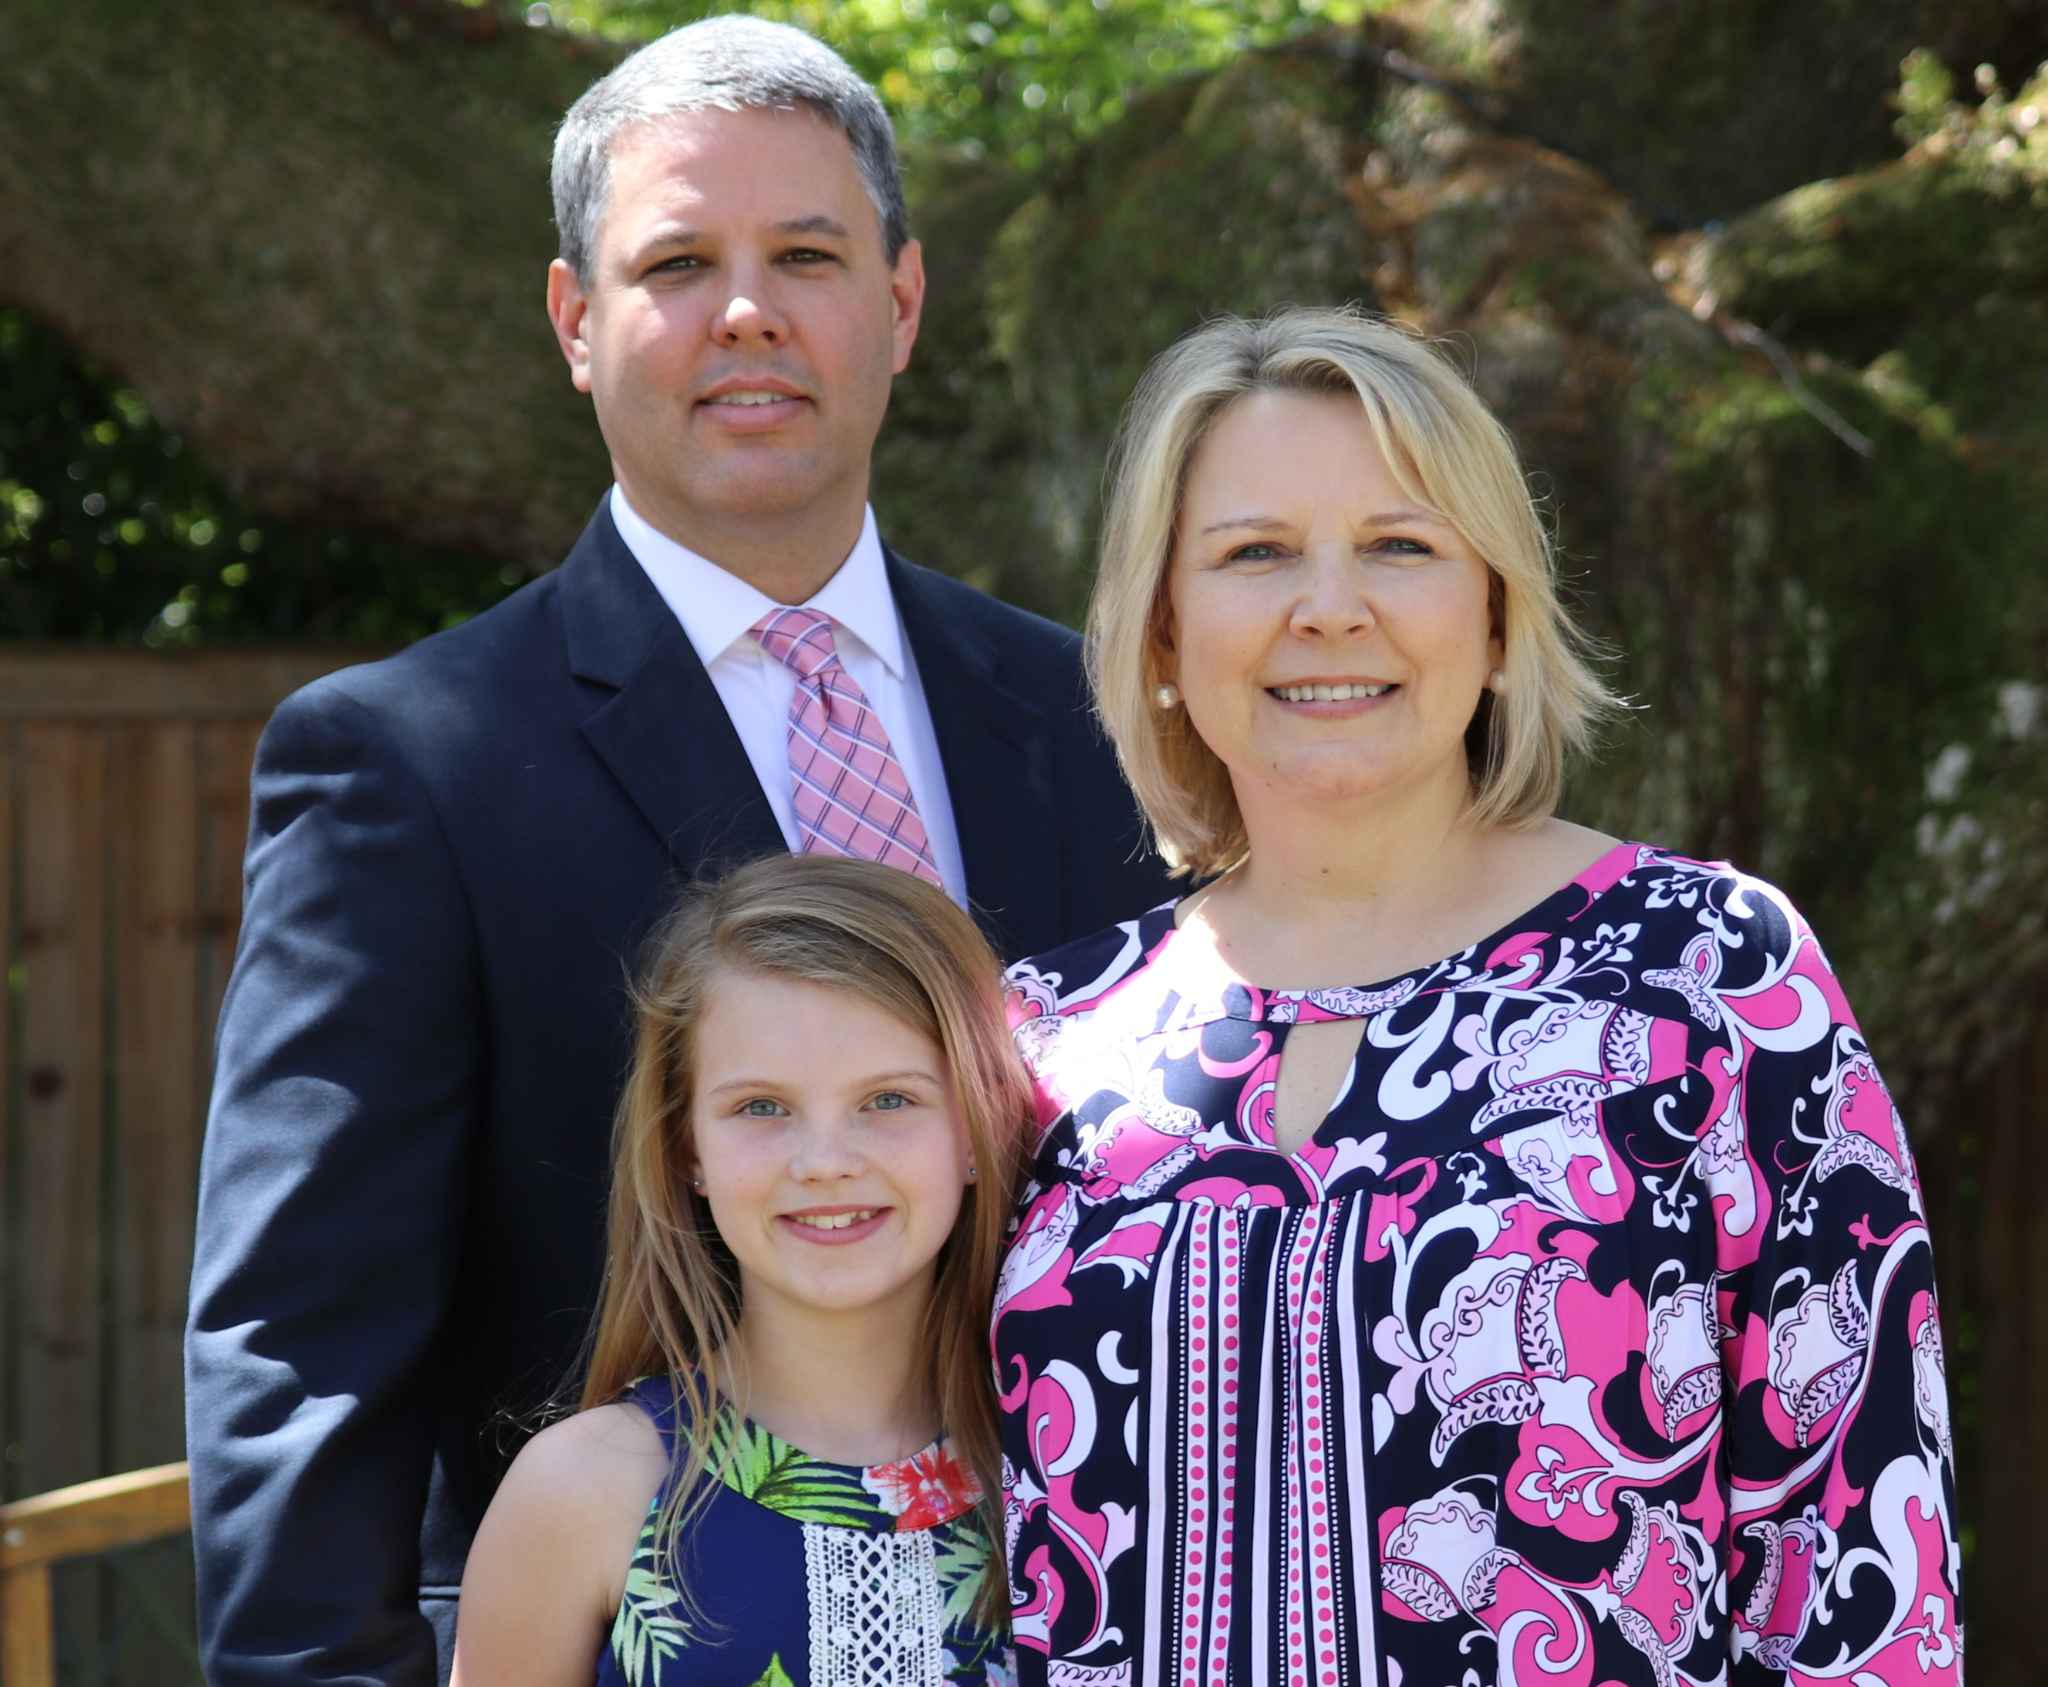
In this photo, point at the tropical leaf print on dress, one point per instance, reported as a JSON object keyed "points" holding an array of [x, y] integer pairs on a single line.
{"points": [[647, 1625], [761, 1467], [806, 1573]]}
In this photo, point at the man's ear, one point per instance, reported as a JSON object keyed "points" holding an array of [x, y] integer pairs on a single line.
{"points": [[906, 289], [567, 307]]}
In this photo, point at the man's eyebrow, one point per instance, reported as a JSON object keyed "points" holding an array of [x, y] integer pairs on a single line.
{"points": [[817, 223]]}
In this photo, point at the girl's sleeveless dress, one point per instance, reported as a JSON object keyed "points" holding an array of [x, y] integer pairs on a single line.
{"points": [[808, 1574]]}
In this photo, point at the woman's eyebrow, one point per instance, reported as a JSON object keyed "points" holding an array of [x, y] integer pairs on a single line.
{"points": [[1397, 518]]}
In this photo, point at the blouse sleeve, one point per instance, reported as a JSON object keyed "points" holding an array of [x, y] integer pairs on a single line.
{"points": [[1843, 1553]]}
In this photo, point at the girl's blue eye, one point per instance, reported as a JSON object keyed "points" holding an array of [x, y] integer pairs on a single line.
{"points": [[761, 1107], [890, 1101]]}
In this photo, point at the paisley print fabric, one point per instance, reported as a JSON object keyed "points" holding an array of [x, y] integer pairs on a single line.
{"points": [[1590, 1339], [805, 1573]]}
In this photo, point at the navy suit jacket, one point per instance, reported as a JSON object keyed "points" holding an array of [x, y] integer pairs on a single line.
{"points": [[454, 857]]}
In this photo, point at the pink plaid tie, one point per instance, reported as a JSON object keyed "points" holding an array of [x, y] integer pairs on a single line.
{"points": [[850, 794]]}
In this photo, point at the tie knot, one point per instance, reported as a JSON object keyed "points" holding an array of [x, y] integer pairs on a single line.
{"points": [[800, 639]]}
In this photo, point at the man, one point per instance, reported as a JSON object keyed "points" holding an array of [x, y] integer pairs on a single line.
{"points": [[455, 854]]}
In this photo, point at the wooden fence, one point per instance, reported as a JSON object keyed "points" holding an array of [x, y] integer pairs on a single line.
{"points": [[123, 811], [123, 808]]}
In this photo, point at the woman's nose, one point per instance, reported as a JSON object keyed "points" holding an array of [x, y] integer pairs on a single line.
{"points": [[1333, 602]]}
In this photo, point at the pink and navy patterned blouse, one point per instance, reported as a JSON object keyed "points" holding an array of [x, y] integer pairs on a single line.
{"points": [[1590, 1339]]}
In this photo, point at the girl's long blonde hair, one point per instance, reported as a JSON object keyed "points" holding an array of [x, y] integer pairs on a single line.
{"points": [[670, 1302]]}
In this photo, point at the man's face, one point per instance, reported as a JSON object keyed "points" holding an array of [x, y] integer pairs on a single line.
{"points": [[740, 325]]}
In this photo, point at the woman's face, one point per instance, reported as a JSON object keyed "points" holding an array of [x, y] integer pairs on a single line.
{"points": [[1330, 637]]}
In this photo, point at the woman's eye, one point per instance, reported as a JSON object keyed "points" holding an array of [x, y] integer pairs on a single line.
{"points": [[1259, 550], [1400, 546]]}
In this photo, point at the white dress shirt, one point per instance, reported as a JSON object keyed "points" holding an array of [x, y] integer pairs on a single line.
{"points": [[716, 610]]}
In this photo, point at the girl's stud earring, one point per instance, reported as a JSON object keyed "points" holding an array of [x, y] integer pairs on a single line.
{"points": [[1497, 681], [970, 1174], [1166, 695]]}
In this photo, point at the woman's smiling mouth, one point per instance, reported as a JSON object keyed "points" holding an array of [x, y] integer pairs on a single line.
{"points": [[1321, 692]]}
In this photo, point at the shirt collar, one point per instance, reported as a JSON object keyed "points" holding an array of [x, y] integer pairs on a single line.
{"points": [[716, 608]]}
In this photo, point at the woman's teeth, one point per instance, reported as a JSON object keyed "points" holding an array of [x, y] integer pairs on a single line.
{"points": [[837, 1221], [1327, 693]]}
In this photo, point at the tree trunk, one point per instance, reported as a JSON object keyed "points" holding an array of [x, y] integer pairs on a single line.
{"points": [[314, 237]]}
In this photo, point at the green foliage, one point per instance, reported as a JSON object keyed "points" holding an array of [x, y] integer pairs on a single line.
{"points": [[1021, 80], [111, 532], [1214, 194]]}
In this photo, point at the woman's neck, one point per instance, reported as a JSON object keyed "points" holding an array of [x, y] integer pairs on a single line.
{"points": [[846, 1387], [1336, 894]]}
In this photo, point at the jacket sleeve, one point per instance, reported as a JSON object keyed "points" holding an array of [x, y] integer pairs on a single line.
{"points": [[332, 1185], [1842, 1539]]}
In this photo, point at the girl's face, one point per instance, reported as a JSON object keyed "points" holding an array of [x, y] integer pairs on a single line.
{"points": [[829, 1144]]}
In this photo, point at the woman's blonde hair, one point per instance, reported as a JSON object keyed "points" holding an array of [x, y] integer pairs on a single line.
{"points": [[1447, 451], [671, 1298]]}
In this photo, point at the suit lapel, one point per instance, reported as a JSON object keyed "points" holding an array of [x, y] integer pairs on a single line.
{"points": [[996, 753], [659, 723]]}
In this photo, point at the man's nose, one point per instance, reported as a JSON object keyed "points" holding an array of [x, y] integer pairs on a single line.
{"points": [[749, 313]]}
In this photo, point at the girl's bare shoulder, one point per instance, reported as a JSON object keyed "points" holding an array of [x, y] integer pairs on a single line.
{"points": [[595, 1463]]}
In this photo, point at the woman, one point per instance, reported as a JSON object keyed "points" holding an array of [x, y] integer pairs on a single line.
{"points": [[1460, 1248]]}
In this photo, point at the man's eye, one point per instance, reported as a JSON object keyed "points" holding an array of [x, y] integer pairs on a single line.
{"points": [[682, 262], [809, 255]]}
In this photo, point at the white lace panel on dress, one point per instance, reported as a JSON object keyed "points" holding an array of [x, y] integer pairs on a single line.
{"points": [[877, 1618]]}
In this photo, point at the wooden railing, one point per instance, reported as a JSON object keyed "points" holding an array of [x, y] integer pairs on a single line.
{"points": [[77, 1522]]}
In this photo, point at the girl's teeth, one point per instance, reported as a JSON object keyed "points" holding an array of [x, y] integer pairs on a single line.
{"points": [[1327, 693], [838, 1221]]}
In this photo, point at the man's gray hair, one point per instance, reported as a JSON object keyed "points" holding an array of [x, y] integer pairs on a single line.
{"points": [[730, 63]]}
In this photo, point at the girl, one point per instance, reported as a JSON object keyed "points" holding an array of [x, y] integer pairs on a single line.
{"points": [[811, 1161]]}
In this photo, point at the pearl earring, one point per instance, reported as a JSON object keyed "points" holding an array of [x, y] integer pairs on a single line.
{"points": [[1166, 695], [1497, 681]]}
